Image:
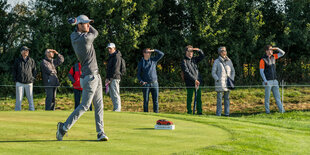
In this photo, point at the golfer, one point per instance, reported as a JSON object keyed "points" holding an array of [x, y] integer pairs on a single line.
{"points": [[192, 77], [82, 42], [267, 68]]}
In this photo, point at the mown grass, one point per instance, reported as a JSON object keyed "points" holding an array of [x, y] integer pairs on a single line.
{"points": [[131, 133], [243, 101]]}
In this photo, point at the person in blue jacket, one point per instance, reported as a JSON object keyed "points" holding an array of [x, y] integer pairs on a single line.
{"points": [[147, 77]]}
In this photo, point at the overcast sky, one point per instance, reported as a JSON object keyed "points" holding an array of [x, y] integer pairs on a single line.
{"points": [[14, 2]]}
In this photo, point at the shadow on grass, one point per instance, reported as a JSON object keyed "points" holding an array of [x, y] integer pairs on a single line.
{"points": [[143, 128], [35, 141], [244, 114], [271, 112]]}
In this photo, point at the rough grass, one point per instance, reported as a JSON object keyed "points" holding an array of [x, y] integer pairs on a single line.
{"points": [[243, 101]]}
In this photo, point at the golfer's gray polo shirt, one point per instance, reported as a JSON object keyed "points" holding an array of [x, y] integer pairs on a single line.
{"points": [[84, 49]]}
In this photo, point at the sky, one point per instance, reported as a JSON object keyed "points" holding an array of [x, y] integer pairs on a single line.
{"points": [[14, 2]]}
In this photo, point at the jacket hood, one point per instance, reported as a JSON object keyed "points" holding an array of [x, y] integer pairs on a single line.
{"points": [[187, 58], [266, 56], [116, 53], [21, 58], [47, 59]]}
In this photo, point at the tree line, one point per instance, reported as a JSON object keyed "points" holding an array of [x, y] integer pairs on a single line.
{"points": [[243, 26]]}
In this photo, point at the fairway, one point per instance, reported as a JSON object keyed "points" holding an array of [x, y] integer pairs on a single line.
{"points": [[129, 133], [28, 132]]}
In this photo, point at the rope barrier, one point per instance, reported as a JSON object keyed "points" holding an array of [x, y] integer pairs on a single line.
{"points": [[182, 87]]}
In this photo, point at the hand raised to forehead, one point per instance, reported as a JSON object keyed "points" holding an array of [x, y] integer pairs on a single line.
{"points": [[150, 50], [52, 50], [193, 49]]}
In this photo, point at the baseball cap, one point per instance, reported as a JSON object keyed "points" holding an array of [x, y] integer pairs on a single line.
{"points": [[111, 45], [24, 48], [83, 19]]}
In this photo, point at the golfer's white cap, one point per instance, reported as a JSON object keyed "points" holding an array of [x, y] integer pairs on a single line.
{"points": [[83, 19], [111, 45]]}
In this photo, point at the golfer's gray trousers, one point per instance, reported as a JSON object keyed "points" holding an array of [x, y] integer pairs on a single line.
{"points": [[273, 85], [20, 88], [115, 94], [219, 103], [92, 92]]}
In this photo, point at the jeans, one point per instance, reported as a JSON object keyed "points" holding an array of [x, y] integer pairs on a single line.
{"points": [[20, 88], [219, 103], [50, 98], [153, 88], [115, 94], [190, 92], [77, 98], [92, 92], [273, 85]]}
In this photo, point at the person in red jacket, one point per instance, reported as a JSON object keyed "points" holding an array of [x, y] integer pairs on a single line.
{"points": [[74, 76]]}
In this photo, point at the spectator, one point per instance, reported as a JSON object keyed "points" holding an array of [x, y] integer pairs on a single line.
{"points": [[74, 76], [267, 68], [192, 77], [147, 77], [222, 68], [114, 75], [24, 74], [50, 79]]}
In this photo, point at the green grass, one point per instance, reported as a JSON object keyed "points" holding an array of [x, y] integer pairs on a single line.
{"points": [[34, 133], [132, 133]]}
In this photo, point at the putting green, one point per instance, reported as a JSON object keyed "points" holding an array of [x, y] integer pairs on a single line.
{"points": [[129, 133]]}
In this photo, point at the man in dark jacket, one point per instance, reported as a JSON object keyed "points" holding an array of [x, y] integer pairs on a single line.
{"points": [[50, 79], [192, 76], [24, 74], [147, 77], [114, 75]]}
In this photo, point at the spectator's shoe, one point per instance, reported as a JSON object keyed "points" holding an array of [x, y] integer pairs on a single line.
{"points": [[60, 131], [102, 137]]}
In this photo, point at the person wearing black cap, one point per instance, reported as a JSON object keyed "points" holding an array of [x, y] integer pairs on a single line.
{"points": [[24, 74], [49, 75], [82, 41]]}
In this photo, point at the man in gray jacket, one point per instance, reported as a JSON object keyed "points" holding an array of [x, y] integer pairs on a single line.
{"points": [[221, 70], [82, 41], [50, 79]]}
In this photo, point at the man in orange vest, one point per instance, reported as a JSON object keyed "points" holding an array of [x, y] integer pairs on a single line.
{"points": [[267, 68]]}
